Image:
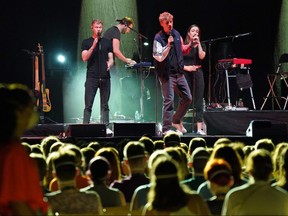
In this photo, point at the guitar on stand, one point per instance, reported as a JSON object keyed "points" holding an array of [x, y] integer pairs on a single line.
{"points": [[37, 89], [46, 103]]}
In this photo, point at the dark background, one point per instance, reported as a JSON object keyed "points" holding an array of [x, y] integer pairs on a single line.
{"points": [[54, 24]]}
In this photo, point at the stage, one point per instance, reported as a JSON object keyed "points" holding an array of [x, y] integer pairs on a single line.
{"points": [[244, 126]]}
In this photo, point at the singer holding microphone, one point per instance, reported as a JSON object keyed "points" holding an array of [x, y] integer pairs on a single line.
{"points": [[168, 49], [194, 73], [98, 53]]}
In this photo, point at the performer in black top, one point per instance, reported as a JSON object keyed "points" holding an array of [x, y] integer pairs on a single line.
{"points": [[114, 34], [194, 73], [98, 53]]}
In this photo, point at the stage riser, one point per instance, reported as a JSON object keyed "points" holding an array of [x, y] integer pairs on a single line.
{"points": [[237, 122], [134, 129]]}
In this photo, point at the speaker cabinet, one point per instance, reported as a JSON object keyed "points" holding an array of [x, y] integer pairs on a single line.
{"points": [[265, 128], [86, 130], [134, 129]]}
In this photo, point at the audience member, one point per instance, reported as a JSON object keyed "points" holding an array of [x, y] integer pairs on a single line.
{"points": [[81, 179], [171, 139], [112, 155], [20, 191], [42, 168], [69, 200], [135, 158], [99, 170], [265, 143], [196, 142], [167, 196], [148, 143], [197, 163], [88, 154], [226, 152], [257, 197], [158, 144], [282, 176], [139, 198], [219, 175]]}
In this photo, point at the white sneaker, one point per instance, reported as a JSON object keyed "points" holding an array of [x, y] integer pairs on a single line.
{"points": [[109, 131], [180, 128], [172, 131], [201, 132]]}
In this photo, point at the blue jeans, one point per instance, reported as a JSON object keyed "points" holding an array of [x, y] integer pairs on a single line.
{"points": [[177, 83], [91, 87]]}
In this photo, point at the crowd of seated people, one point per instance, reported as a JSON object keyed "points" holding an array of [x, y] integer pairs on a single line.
{"points": [[137, 177]]}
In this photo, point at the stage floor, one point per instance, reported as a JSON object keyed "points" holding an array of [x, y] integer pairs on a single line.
{"points": [[230, 124]]}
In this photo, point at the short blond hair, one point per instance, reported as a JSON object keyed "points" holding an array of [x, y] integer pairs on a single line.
{"points": [[165, 16]]}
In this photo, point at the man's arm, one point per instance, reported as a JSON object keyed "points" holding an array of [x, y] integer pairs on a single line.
{"points": [[110, 61], [117, 52], [160, 52], [87, 53]]}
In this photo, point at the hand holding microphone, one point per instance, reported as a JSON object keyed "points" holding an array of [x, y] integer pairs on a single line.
{"points": [[171, 39], [195, 39]]}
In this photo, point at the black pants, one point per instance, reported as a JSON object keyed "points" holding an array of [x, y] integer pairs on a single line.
{"points": [[91, 87]]}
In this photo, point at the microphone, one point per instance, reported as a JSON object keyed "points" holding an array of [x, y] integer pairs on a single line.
{"points": [[98, 34], [242, 35], [118, 20], [171, 43]]}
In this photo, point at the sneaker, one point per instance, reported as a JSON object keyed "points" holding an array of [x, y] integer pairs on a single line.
{"points": [[179, 128], [172, 131], [183, 128], [201, 132], [109, 131]]}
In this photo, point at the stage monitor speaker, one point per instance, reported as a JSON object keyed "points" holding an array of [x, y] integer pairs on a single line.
{"points": [[266, 129], [42, 130], [86, 130], [134, 129]]}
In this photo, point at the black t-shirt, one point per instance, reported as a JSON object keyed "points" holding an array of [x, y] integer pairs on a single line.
{"points": [[97, 63]]}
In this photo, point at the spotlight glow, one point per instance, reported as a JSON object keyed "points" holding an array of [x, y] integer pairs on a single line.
{"points": [[61, 58]]}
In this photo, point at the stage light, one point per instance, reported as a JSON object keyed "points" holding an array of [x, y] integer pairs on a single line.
{"points": [[61, 58], [146, 44]]}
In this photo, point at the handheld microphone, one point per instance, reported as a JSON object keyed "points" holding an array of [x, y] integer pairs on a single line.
{"points": [[118, 20], [98, 34], [171, 43]]}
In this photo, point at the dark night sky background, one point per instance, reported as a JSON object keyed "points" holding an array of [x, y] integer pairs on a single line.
{"points": [[55, 25]]}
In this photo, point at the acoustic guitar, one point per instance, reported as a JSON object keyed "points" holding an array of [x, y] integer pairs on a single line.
{"points": [[46, 103]]}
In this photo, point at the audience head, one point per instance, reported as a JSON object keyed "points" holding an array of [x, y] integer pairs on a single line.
{"points": [[64, 164], [265, 143], [226, 152], [148, 143], [99, 169], [259, 165], [41, 163], [46, 143], [222, 140], [171, 140], [88, 154], [95, 145], [277, 158], [198, 160], [166, 193], [219, 174], [158, 144], [112, 155], [17, 111], [195, 143]]}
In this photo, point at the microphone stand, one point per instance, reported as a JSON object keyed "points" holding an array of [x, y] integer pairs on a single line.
{"points": [[210, 41], [140, 55]]}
